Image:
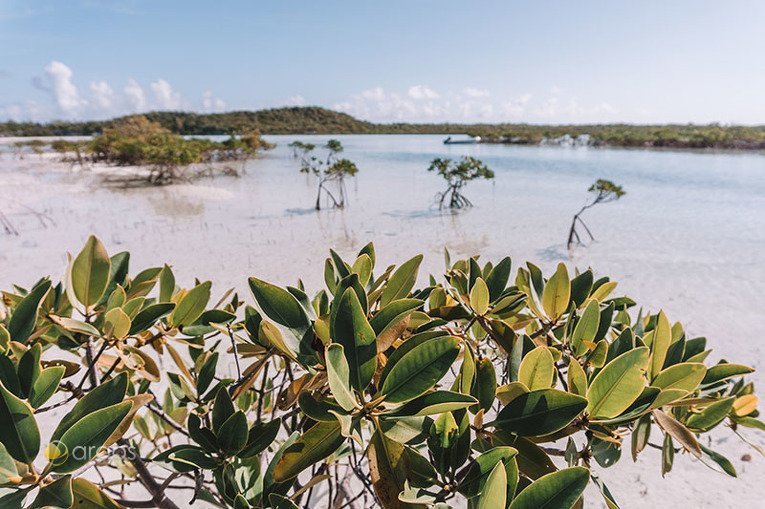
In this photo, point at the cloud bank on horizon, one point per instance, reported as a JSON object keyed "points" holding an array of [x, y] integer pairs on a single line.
{"points": [[397, 61], [63, 98]]}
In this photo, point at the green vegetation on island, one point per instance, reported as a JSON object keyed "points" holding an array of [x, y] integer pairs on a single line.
{"points": [[316, 120], [138, 141]]}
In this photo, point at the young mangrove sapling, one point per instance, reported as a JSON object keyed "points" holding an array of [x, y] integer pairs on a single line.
{"points": [[457, 175], [329, 170], [605, 191]]}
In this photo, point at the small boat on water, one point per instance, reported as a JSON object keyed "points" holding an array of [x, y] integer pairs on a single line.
{"points": [[470, 141]]}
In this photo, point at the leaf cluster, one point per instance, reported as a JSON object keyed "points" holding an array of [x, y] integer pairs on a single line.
{"points": [[477, 389]]}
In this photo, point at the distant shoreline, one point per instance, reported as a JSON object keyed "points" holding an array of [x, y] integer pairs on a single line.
{"points": [[315, 120]]}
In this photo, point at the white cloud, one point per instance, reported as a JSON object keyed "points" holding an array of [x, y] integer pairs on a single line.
{"points": [[374, 94], [11, 112], [135, 96], [515, 108], [103, 95], [422, 103], [212, 104], [63, 89], [548, 109], [422, 92], [296, 100], [476, 93], [164, 96], [376, 103]]}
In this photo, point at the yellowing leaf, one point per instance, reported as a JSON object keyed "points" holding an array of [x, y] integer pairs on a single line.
{"points": [[745, 405], [677, 431], [479, 297], [662, 338], [116, 323], [557, 293], [537, 369], [618, 384], [494, 494]]}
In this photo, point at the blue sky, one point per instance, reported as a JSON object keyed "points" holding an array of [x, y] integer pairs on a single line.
{"points": [[412, 60]]}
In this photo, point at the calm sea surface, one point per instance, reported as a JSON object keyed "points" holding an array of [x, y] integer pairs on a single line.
{"points": [[688, 237]]}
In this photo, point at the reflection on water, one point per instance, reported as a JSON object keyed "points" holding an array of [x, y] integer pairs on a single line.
{"points": [[169, 202]]}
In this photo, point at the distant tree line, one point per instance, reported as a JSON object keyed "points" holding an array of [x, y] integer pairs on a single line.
{"points": [[312, 119]]}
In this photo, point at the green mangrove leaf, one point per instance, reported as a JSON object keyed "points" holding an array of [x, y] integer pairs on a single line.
{"points": [[557, 293], [540, 412], [8, 468], [191, 305], [577, 378], [537, 369], [618, 384], [419, 369], [90, 272], [477, 472], [586, 328], [338, 376], [494, 494], [498, 277], [116, 323], [662, 338], [721, 460], [233, 434], [148, 316], [479, 297], [83, 441], [260, 437], [581, 286], [284, 309], [685, 376], [56, 494], [724, 371], [363, 268], [166, 284], [401, 281], [558, 490], [45, 385], [351, 329], [24, 317], [20, 435], [107, 394], [321, 440], [711, 415], [89, 496], [433, 403], [485, 385]]}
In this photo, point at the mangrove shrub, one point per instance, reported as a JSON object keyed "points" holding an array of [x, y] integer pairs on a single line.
{"points": [[476, 390]]}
